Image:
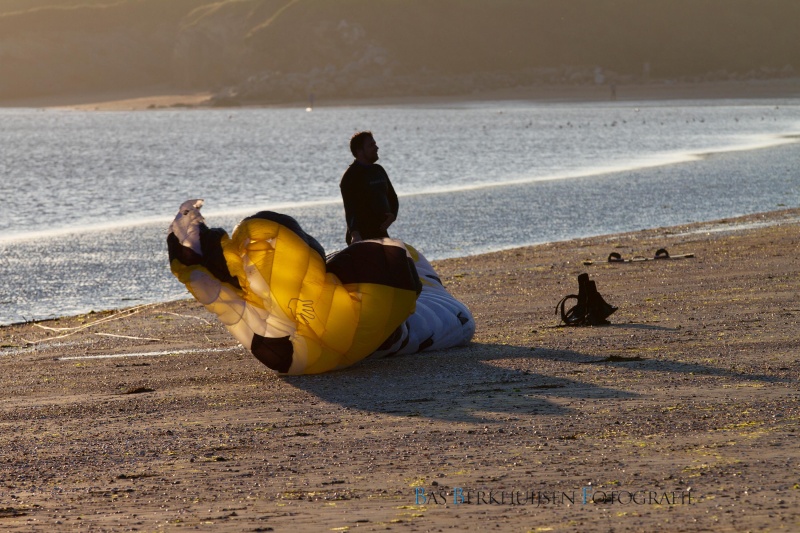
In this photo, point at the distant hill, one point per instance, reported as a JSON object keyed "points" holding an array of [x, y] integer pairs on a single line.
{"points": [[11, 6], [272, 50], [71, 49]]}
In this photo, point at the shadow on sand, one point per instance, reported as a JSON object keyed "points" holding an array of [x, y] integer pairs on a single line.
{"points": [[464, 385], [457, 385]]}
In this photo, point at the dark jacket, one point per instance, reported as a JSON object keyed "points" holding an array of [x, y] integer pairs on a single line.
{"points": [[368, 195]]}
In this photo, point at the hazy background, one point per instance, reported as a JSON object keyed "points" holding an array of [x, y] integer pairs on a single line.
{"points": [[279, 50]]}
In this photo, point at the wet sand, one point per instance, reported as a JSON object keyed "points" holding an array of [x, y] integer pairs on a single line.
{"points": [[681, 415]]}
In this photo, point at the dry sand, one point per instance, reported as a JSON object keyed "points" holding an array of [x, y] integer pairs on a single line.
{"points": [[684, 411]]}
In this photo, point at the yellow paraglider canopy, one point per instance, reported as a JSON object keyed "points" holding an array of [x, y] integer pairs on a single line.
{"points": [[270, 285]]}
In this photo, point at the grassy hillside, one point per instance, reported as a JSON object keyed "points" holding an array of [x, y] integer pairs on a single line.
{"points": [[677, 36], [62, 50], [212, 47], [404, 46], [277, 49]]}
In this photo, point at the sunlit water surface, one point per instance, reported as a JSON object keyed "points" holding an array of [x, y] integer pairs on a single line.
{"points": [[88, 195]]}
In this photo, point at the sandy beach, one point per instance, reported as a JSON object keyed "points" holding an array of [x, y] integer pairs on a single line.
{"points": [[169, 97], [681, 415]]}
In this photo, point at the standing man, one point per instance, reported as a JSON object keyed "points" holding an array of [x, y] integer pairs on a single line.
{"points": [[370, 203]]}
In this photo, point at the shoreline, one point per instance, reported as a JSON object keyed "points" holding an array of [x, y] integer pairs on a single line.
{"points": [[170, 98], [729, 224], [691, 390]]}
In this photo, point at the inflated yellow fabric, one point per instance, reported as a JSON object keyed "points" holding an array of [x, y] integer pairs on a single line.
{"points": [[285, 293]]}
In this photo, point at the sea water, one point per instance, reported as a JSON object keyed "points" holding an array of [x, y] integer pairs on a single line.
{"points": [[87, 196]]}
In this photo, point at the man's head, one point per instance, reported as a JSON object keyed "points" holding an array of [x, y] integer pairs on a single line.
{"points": [[363, 147]]}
